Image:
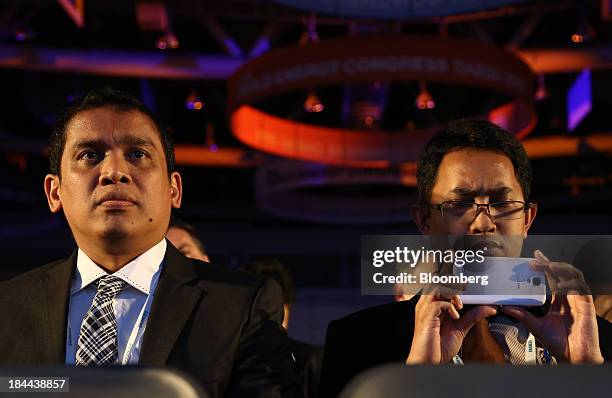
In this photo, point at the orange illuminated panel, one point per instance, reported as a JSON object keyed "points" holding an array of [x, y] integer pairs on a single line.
{"points": [[324, 144]]}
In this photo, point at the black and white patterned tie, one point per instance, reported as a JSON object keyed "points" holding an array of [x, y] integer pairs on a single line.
{"points": [[511, 336], [98, 336]]}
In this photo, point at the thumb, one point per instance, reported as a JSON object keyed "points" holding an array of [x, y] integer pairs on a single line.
{"points": [[523, 316], [474, 315]]}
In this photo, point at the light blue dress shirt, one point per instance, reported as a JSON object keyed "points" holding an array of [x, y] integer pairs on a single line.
{"points": [[131, 305]]}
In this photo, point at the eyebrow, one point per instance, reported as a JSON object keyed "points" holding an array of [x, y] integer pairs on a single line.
{"points": [[127, 140], [498, 191]]}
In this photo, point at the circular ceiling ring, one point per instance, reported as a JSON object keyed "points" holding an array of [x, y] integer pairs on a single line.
{"points": [[383, 58], [291, 189]]}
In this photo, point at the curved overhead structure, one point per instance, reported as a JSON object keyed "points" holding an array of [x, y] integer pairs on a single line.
{"points": [[386, 58], [290, 189], [402, 9], [335, 146]]}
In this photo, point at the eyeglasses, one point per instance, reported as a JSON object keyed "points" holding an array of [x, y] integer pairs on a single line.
{"points": [[466, 212]]}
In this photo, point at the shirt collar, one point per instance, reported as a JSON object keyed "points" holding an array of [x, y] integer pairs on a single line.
{"points": [[138, 273]]}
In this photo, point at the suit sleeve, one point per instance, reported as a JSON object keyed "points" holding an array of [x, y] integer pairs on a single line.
{"points": [[335, 373], [265, 366]]}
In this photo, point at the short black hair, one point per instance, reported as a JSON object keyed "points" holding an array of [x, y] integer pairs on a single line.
{"points": [[99, 98], [273, 268], [176, 222], [476, 134]]}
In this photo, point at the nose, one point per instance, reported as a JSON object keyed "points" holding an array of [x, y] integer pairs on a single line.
{"points": [[482, 223], [114, 170]]}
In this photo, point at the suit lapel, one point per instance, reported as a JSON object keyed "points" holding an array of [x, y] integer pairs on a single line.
{"points": [[56, 293], [173, 303]]}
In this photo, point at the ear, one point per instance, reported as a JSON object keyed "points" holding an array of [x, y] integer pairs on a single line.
{"points": [[420, 216], [176, 190], [52, 190], [530, 215]]}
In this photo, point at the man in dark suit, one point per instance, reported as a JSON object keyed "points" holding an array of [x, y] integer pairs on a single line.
{"points": [[307, 356], [127, 296], [474, 179]]}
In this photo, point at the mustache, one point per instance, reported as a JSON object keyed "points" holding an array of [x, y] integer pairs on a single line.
{"points": [[476, 242], [115, 196]]}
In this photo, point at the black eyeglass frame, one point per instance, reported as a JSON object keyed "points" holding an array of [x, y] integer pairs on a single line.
{"points": [[526, 206]]}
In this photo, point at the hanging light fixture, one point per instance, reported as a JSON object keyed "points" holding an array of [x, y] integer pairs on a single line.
{"points": [[541, 91], [193, 102], [584, 31], [167, 41], [210, 138], [310, 35], [313, 103], [424, 100]]}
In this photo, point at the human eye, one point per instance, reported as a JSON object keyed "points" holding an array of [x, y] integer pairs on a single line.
{"points": [[458, 204], [89, 155], [138, 154], [506, 204]]}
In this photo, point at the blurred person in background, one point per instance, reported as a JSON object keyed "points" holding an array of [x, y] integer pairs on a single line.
{"points": [[184, 237], [307, 357]]}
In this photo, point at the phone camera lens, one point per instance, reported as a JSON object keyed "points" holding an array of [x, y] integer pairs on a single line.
{"points": [[536, 281]]}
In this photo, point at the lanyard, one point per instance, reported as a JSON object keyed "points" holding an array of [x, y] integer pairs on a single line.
{"points": [[140, 324], [530, 350]]}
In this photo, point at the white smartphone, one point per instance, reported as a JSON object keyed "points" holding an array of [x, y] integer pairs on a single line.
{"points": [[510, 281]]}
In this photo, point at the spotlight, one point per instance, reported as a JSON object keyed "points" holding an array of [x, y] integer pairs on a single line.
{"points": [[20, 35], [313, 103], [210, 138], [23, 34], [584, 31], [310, 35], [167, 41], [424, 100], [577, 38], [193, 102], [541, 91]]}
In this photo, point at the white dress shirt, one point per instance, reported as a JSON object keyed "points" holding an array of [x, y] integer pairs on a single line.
{"points": [[131, 306]]}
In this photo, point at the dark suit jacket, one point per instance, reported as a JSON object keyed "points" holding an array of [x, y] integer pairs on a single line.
{"points": [[383, 334], [219, 326], [308, 360]]}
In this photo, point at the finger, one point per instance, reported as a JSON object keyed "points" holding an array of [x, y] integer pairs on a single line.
{"points": [[558, 269], [425, 299], [573, 287], [540, 262], [441, 292], [566, 270], [457, 302], [523, 316], [536, 265], [558, 303], [474, 315], [452, 312], [439, 308], [540, 256]]}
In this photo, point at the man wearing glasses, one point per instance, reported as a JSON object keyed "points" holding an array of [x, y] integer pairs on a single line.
{"points": [[474, 180]]}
